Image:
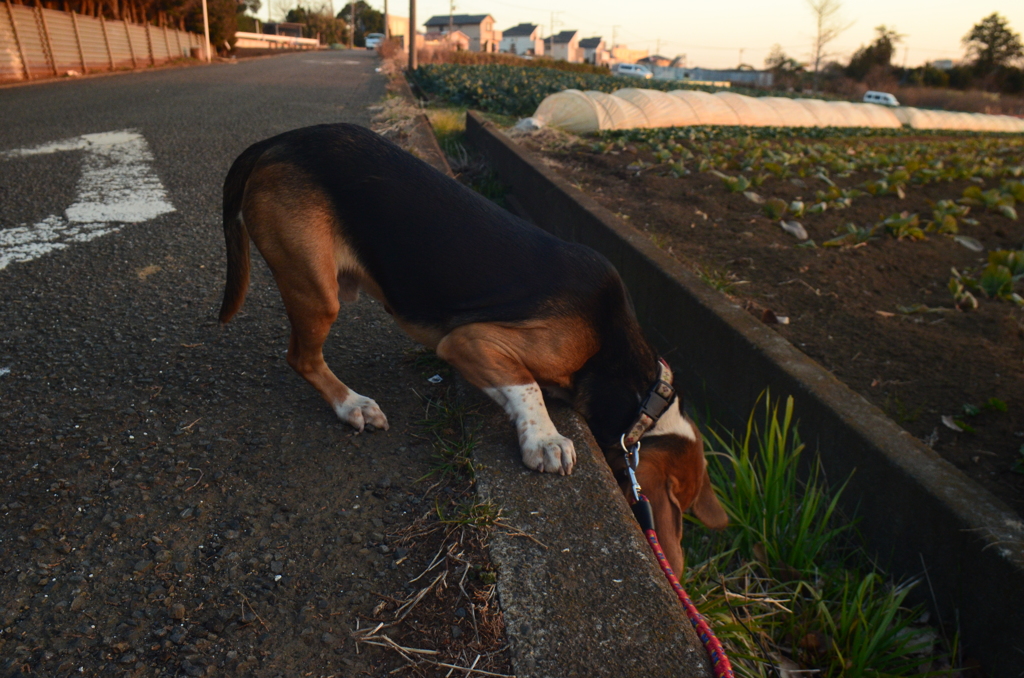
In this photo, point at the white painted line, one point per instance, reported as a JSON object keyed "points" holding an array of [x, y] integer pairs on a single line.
{"points": [[117, 186]]}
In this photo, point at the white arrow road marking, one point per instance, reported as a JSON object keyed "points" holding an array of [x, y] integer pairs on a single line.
{"points": [[118, 186]]}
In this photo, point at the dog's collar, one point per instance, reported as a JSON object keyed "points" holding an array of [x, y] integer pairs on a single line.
{"points": [[659, 398], [657, 401]]}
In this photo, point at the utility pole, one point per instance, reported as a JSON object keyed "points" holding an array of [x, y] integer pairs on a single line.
{"points": [[553, 28], [206, 32], [741, 57], [451, 16], [657, 49], [387, 31], [352, 25], [412, 36]]}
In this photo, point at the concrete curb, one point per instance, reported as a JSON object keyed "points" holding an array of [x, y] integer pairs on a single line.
{"points": [[918, 513], [589, 599], [592, 601], [422, 135]]}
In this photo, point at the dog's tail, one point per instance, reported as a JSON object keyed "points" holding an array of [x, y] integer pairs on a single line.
{"points": [[236, 237]]}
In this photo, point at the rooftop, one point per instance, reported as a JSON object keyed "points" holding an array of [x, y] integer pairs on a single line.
{"points": [[520, 30], [565, 36], [591, 43], [457, 19]]}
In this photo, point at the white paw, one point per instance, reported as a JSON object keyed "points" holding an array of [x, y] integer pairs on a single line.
{"points": [[549, 454], [358, 411]]}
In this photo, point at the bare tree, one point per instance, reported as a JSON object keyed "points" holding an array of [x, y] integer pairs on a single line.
{"points": [[828, 26]]}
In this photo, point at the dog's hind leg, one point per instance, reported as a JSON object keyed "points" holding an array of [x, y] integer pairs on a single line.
{"points": [[297, 239], [310, 326], [485, 357]]}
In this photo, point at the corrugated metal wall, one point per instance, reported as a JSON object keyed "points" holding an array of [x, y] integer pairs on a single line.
{"points": [[45, 43]]}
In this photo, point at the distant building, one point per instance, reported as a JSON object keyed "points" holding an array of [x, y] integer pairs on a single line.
{"points": [[292, 30], [456, 41], [398, 29], [747, 78], [624, 55], [595, 52], [942, 64], [654, 60], [565, 46], [478, 27], [523, 39]]}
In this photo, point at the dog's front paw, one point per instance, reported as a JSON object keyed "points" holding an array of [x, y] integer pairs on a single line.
{"points": [[550, 454], [358, 411]]}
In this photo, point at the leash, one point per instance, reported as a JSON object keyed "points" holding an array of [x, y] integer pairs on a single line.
{"points": [[720, 664]]}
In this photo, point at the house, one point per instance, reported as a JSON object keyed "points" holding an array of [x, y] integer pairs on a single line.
{"points": [[565, 46], [398, 29], [479, 28], [292, 30], [456, 41], [523, 39], [624, 55], [594, 51], [706, 76], [655, 60]]}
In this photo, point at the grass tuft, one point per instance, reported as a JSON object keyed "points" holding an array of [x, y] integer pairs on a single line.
{"points": [[445, 421], [784, 585]]}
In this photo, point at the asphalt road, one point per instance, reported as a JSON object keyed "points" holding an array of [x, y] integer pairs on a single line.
{"points": [[174, 500]]}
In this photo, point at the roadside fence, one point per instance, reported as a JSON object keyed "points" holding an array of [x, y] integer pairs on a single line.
{"points": [[45, 43]]}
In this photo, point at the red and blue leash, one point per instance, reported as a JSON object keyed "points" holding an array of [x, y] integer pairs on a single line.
{"points": [[641, 507], [720, 664]]}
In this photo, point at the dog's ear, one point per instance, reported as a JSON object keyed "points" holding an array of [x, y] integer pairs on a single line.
{"points": [[706, 508], [669, 521]]}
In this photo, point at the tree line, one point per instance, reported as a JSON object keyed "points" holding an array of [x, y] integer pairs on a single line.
{"points": [[993, 59]]}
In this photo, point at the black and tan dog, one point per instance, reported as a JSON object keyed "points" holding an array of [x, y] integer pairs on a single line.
{"points": [[335, 209]]}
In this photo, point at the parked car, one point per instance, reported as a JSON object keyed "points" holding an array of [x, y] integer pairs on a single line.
{"points": [[883, 98], [373, 40], [633, 70]]}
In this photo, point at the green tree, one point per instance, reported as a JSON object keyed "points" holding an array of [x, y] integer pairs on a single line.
{"points": [[320, 23], [252, 5], [780, 62], [223, 22], [368, 20], [828, 25], [876, 55], [992, 43]]}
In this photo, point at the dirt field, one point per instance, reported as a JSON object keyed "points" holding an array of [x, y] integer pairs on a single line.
{"points": [[843, 304]]}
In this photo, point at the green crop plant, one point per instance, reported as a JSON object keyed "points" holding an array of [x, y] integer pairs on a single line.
{"points": [[995, 281], [774, 208], [993, 200], [960, 289], [736, 184], [903, 225], [853, 235], [944, 217], [1012, 260]]}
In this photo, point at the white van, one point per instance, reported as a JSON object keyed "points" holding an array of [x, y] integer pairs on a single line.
{"points": [[633, 70], [883, 98]]}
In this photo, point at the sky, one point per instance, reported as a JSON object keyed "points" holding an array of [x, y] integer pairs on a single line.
{"points": [[712, 34]]}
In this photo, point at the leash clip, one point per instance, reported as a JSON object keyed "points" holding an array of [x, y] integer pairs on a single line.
{"points": [[632, 455]]}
